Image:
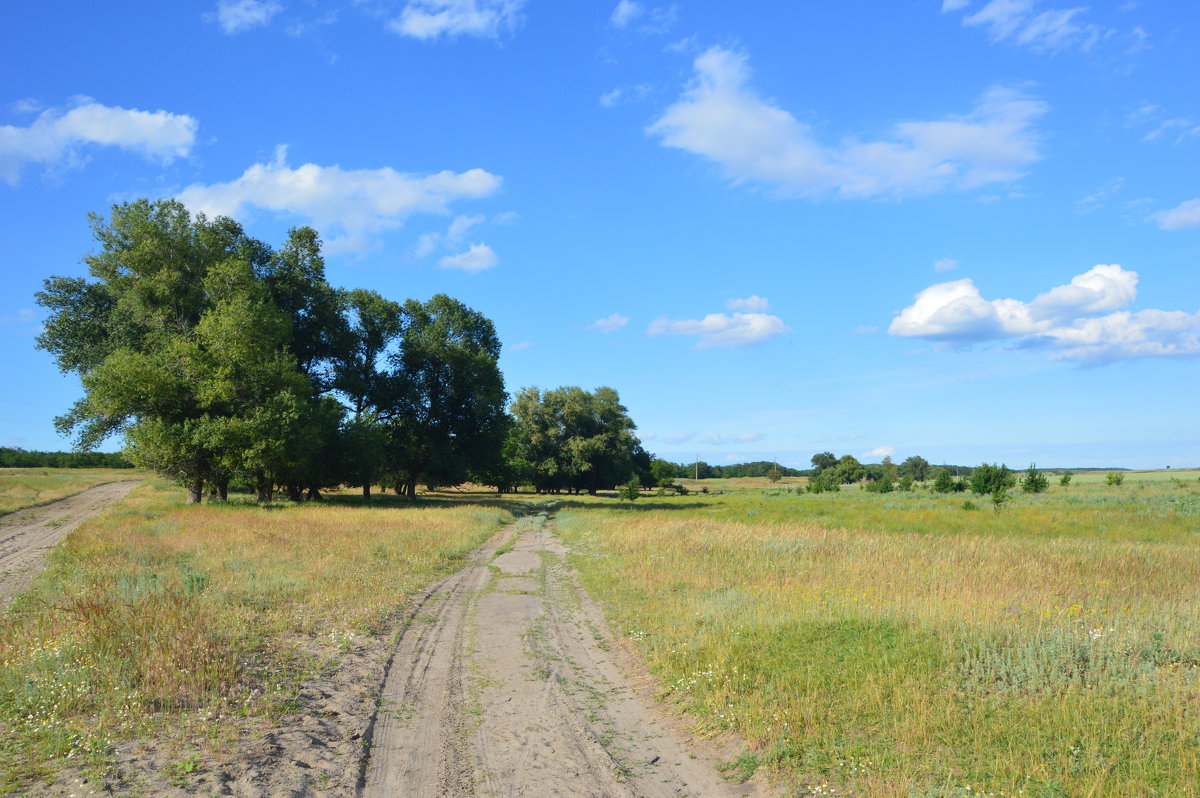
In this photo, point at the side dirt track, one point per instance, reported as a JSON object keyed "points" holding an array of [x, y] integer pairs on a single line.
{"points": [[503, 684], [27, 536]]}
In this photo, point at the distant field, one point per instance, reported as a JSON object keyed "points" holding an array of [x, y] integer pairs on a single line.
{"points": [[25, 487], [159, 619], [898, 644]]}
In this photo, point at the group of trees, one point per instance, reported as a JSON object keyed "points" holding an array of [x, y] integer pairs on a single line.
{"points": [[571, 440], [221, 359], [23, 458]]}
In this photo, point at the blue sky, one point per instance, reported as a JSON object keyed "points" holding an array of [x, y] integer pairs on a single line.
{"points": [[966, 229]]}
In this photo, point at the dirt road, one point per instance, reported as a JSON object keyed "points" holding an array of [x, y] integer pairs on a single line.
{"points": [[27, 536], [503, 684]]}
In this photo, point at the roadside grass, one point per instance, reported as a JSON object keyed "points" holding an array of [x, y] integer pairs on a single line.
{"points": [[26, 487], [897, 645], [159, 617]]}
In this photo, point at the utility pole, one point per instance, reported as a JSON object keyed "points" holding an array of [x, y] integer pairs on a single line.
{"points": [[697, 465]]}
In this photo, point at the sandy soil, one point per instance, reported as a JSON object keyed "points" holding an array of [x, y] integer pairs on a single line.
{"points": [[27, 536], [508, 685]]}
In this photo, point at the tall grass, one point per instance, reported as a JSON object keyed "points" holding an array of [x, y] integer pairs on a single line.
{"points": [[158, 614], [26, 487], [1051, 649]]}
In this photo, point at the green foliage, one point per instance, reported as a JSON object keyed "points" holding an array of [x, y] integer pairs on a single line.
{"points": [[1034, 481], [823, 461], [631, 490], [916, 468], [825, 482], [999, 498], [663, 472], [988, 478], [1114, 478], [774, 475], [970, 505], [942, 481], [905, 483], [1065, 479], [882, 485], [21, 458]]}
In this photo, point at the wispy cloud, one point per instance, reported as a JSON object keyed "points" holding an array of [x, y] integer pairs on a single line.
{"points": [[238, 16], [609, 324], [721, 118], [1018, 22], [353, 202], [880, 451], [1184, 216], [1101, 196], [646, 19], [945, 265], [751, 304], [62, 139], [433, 19], [1083, 321], [722, 440]]}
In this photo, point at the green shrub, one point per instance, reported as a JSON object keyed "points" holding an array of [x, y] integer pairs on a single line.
{"points": [[1034, 481]]}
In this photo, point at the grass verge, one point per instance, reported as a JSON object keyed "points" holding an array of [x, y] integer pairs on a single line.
{"points": [[27, 487]]}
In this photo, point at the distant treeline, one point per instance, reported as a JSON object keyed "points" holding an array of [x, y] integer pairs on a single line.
{"points": [[916, 467], [20, 458]]}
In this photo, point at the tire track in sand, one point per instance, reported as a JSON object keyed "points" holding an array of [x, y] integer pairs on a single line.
{"points": [[27, 536], [503, 685]]}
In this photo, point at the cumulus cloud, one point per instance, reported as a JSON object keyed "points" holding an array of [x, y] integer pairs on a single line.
{"points": [[725, 330], [431, 19], [354, 202], [1082, 321], [720, 117], [945, 265], [880, 451], [1183, 216], [236, 16], [609, 323], [1019, 23], [477, 258], [752, 304], [62, 139]]}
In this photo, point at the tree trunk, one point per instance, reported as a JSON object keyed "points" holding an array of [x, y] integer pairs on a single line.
{"points": [[367, 491], [195, 491], [411, 489], [223, 489], [295, 493], [314, 494], [265, 489]]}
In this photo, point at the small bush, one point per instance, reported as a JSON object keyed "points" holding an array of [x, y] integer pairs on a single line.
{"points": [[970, 505], [1034, 481], [1065, 479], [1114, 478]]}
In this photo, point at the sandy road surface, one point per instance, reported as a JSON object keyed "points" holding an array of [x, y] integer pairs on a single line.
{"points": [[503, 685], [26, 536]]}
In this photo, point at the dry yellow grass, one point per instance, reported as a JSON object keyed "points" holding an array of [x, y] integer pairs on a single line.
{"points": [[156, 609]]}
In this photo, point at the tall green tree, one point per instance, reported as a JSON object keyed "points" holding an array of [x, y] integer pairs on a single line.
{"points": [[446, 411]]}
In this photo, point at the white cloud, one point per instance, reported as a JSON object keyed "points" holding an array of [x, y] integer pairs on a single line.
{"points": [[721, 440], [477, 258], [625, 94], [625, 12], [520, 346], [752, 304], [880, 451], [1101, 196], [720, 329], [720, 117], [1183, 216], [1016, 22], [1066, 318], [609, 323], [353, 202], [236, 16], [57, 139], [429, 19], [954, 5], [945, 265]]}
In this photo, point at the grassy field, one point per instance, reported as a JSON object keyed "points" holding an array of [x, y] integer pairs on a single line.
{"points": [[898, 644], [158, 615], [25, 487]]}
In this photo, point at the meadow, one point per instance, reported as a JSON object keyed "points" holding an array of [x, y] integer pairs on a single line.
{"points": [[26, 487], [157, 618], [900, 645]]}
